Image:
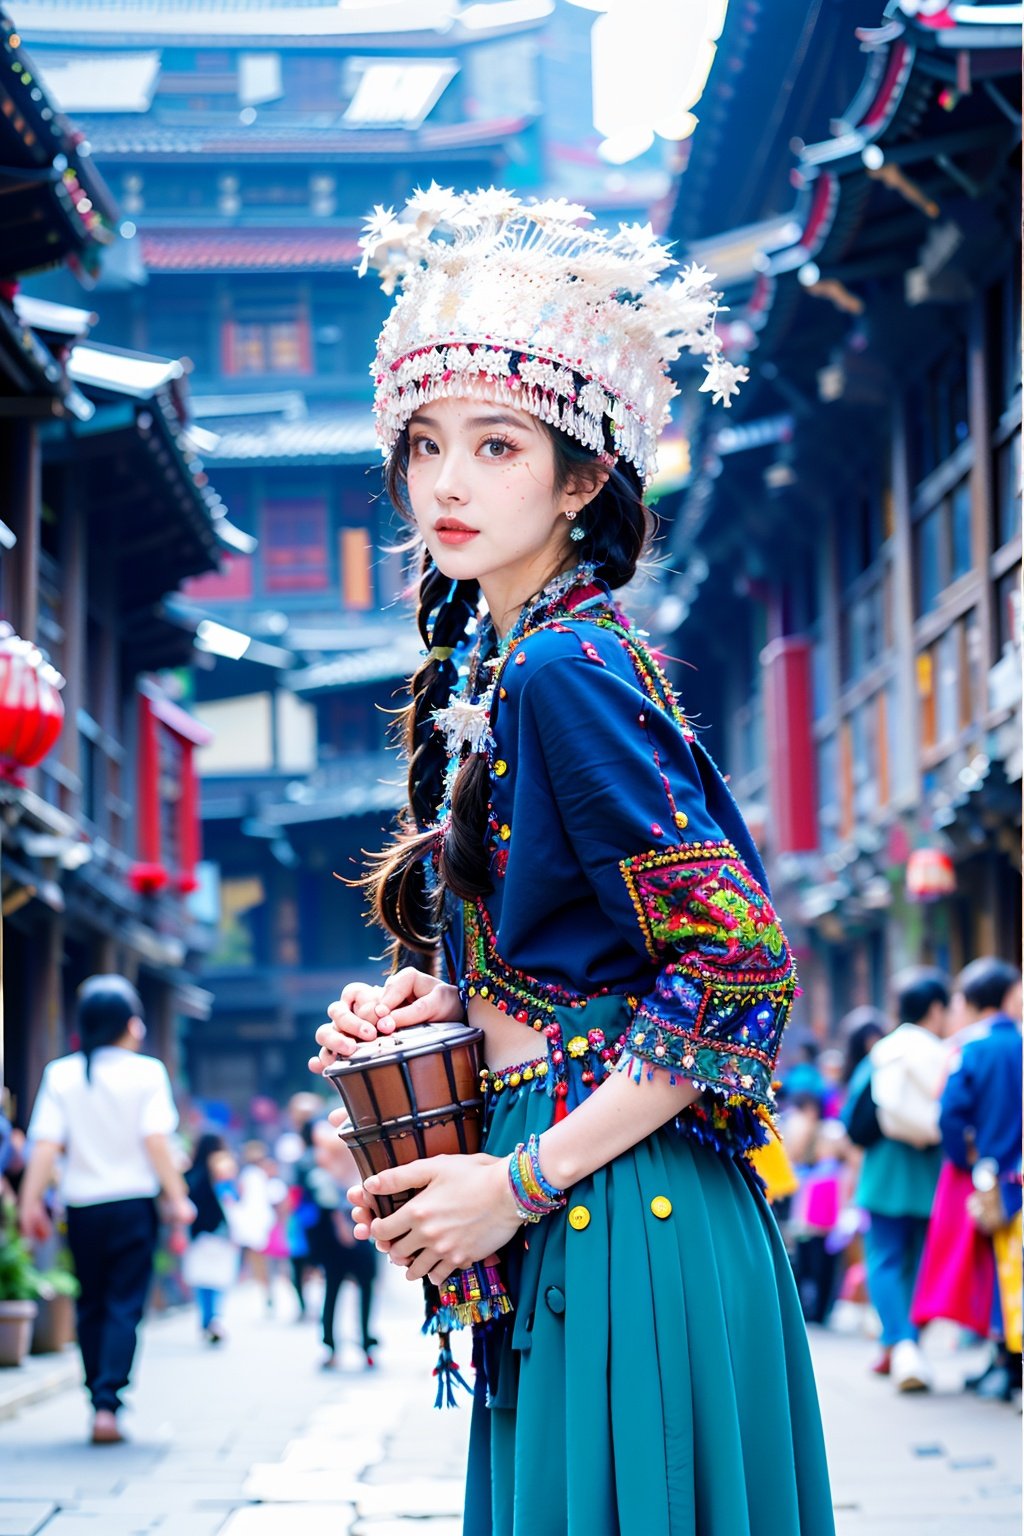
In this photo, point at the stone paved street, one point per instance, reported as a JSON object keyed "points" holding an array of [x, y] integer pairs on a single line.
{"points": [[254, 1440]]}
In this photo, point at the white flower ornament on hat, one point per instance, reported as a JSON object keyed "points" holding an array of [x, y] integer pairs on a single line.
{"points": [[519, 303]]}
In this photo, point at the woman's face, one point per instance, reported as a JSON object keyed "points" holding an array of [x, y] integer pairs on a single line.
{"points": [[481, 484]]}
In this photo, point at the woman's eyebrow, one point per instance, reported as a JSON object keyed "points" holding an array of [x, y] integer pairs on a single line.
{"points": [[494, 419]]}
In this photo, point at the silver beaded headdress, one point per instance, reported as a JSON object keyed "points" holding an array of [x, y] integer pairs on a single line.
{"points": [[517, 302]]}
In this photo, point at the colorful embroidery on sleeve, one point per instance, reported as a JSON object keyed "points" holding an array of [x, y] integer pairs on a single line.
{"points": [[721, 1001]]}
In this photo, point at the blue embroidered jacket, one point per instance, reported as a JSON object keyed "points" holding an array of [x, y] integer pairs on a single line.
{"points": [[622, 865]]}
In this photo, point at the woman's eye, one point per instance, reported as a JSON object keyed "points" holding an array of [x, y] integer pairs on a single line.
{"points": [[497, 448], [424, 445]]}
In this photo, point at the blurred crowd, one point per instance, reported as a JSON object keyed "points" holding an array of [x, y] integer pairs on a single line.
{"points": [[106, 1171], [896, 1173]]}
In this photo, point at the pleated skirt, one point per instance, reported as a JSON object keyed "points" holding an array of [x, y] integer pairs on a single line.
{"points": [[655, 1379]]}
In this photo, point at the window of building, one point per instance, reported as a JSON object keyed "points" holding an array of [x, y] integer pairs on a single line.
{"points": [[926, 695], [942, 546], [232, 581], [243, 925], [266, 339], [171, 765], [960, 530], [294, 544], [946, 659], [937, 419], [929, 559], [394, 93], [1008, 489], [1004, 328], [259, 78], [242, 729], [356, 568], [348, 722], [862, 629], [1009, 617], [828, 791]]}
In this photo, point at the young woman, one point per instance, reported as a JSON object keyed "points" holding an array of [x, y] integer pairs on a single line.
{"points": [[574, 859], [212, 1257]]}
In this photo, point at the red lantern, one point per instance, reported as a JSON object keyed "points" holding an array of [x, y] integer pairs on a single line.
{"points": [[148, 879], [930, 875], [31, 708]]}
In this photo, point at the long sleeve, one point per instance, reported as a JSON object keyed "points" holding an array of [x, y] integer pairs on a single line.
{"points": [[656, 833], [956, 1112]]}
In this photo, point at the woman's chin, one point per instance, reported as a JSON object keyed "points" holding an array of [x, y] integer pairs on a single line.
{"points": [[459, 561]]}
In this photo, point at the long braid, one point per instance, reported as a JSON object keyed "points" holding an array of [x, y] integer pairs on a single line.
{"points": [[396, 879], [445, 611]]}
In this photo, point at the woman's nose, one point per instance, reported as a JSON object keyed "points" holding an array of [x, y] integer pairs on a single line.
{"points": [[450, 484]]}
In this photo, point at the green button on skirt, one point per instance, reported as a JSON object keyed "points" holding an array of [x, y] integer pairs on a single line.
{"points": [[657, 1381]]}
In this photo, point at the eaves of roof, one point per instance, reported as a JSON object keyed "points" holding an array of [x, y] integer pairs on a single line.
{"points": [[248, 250], [330, 143], [344, 436], [58, 206]]}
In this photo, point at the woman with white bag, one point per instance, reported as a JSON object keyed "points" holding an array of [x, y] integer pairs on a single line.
{"points": [[212, 1258]]}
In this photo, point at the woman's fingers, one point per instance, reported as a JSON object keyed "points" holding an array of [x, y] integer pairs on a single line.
{"points": [[427, 1263], [345, 1021], [394, 1181], [420, 1010]]}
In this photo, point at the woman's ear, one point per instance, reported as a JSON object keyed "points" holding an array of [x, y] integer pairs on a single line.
{"points": [[137, 1030], [582, 486]]}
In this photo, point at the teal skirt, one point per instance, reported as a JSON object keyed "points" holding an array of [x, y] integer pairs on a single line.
{"points": [[655, 1378]]}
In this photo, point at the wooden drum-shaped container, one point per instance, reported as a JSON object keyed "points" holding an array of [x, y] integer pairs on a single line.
{"points": [[412, 1094]]}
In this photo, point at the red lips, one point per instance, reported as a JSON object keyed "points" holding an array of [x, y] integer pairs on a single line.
{"points": [[451, 531]]}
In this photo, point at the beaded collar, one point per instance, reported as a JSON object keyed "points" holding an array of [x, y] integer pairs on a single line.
{"points": [[466, 719]]}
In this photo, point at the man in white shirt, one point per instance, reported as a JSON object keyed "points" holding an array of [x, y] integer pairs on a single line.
{"points": [[110, 1112]]}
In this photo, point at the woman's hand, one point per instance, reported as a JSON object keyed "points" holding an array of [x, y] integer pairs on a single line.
{"points": [[353, 1021], [464, 1212], [363, 1012]]}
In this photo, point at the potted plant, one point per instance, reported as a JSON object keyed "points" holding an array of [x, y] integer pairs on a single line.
{"points": [[19, 1288], [55, 1321]]}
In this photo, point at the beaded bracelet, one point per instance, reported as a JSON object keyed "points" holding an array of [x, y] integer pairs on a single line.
{"points": [[534, 1195]]}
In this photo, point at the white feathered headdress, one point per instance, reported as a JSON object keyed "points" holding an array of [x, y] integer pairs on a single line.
{"points": [[517, 302]]}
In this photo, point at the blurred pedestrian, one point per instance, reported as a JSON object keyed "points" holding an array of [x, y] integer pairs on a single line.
{"points": [[814, 1144], [325, 1173], [254, 1217], [211, 1263], [981, 1125], [860, 1030], [109, 1111], [300, 1210], [900, 1078], [805, 1075]]}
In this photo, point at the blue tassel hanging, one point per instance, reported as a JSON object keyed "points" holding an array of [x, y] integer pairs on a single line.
{"points": [[448, 1376]]}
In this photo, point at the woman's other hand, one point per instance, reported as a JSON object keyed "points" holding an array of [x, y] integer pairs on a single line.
{"points": [[353, 1021], [464, 1212], [363, 1012], [410, 996]]}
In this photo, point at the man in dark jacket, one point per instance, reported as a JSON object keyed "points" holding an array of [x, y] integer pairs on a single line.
{"points": [[981, 1117]]}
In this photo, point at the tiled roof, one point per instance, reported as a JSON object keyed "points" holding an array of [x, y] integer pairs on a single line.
{"points": [[248, 250], [326, 140], [399, 659], [342, 434]]}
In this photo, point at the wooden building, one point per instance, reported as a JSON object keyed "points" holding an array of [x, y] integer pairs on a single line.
{"points": [[105, 509], [847, 556]]}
